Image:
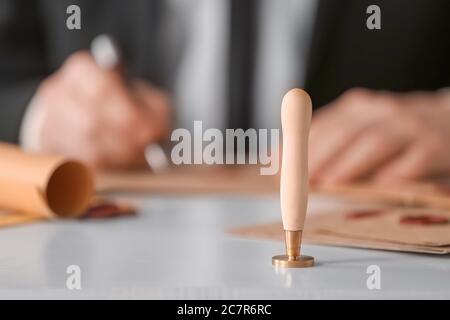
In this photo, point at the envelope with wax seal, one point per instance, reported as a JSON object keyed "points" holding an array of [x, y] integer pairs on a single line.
{"points": [[398, 229]]}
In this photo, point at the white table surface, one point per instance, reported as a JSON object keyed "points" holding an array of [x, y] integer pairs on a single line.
{"points": [[178, 248]]}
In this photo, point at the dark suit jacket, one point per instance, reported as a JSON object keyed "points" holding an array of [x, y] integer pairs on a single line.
{"points": [[410, 52]]}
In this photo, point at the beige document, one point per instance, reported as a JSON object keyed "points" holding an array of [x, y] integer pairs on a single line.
{"points": [[410, 230]]}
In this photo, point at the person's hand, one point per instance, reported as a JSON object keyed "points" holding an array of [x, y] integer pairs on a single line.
{"points": [[380, 135], [93, 115]]}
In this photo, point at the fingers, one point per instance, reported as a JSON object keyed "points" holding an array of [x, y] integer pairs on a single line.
{"points": [[92, 115], [157, 106], [81, 70], [364, 156], [338, 126], [365, 133], [410, 165], [106, 96], [122, 114], [325, 147], [425, 158]]}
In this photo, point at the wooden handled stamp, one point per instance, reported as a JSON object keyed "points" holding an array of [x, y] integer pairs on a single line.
{"points": [[296, 111]]}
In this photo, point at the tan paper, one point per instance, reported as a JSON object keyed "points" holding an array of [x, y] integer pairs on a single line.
{"points": [[8, 219], [388, 226], [42, 185], [191, 179], [383, 230], [274, 231]]}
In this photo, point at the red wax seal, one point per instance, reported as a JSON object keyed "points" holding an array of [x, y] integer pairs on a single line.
{"points": [[107, 210], [424, 220], [363, 214]]}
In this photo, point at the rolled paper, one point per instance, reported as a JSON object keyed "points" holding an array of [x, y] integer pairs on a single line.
{"points": [[44, 185], [296, 111]]}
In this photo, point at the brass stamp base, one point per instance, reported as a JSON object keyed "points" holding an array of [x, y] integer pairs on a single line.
{"points": [[282, 261]]}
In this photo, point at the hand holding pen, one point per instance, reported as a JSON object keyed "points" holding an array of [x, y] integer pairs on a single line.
{"points": [[90, 111], [107, 55]]}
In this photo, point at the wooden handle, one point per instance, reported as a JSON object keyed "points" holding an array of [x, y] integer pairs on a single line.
{"points": [[296, 111]]}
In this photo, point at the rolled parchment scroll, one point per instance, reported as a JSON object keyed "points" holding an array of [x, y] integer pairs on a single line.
{"points": [[48, 186]]}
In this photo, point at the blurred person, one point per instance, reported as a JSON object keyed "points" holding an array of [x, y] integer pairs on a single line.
{"points": [[384, 111], [55, 98]]}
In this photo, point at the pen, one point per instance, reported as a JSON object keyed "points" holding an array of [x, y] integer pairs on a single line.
{"points": [[107, 55]]}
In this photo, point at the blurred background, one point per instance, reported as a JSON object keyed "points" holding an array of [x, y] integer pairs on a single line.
{"points": [[228, 63]]}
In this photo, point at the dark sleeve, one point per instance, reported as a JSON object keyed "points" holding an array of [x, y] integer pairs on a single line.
{"points": [[22, 62]]}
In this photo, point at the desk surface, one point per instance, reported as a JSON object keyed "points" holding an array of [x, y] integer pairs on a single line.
{"points": [[177, 247]]}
